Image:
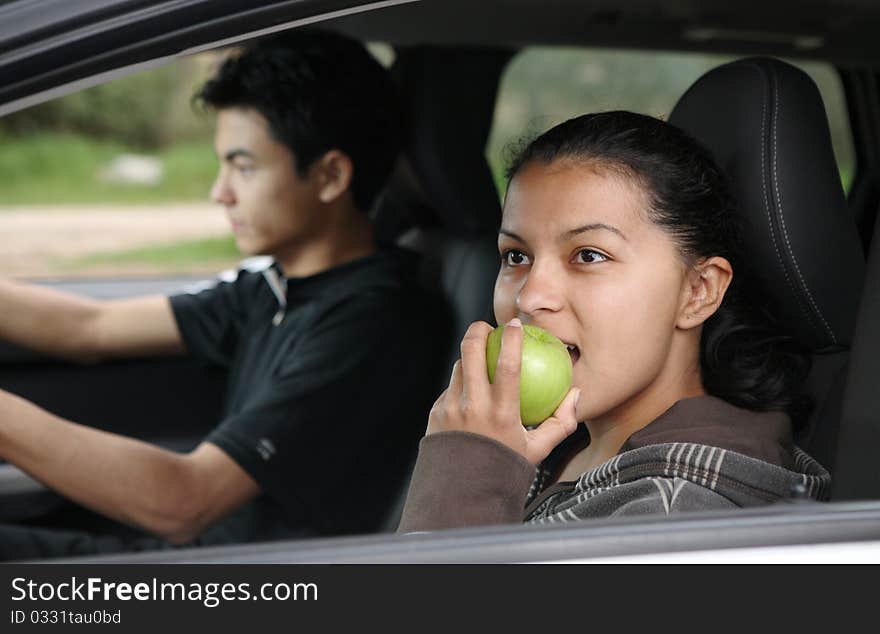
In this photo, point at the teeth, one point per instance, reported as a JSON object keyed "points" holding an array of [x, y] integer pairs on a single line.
{"points": [[571, 347]]}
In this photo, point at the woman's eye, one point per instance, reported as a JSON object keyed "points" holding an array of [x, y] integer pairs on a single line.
{"points": [[588, 256], [245, 169], [515, 258]]}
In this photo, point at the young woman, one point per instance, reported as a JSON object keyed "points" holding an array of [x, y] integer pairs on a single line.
{"points": [[619, 237]]}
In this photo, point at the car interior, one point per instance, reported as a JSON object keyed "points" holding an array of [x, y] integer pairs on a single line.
{"points": [[762, 118]]}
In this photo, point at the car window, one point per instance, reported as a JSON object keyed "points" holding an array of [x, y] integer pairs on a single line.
{"points": [[114, 181], [543, 86]]}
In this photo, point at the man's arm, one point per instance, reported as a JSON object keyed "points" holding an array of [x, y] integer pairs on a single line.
{"points": [[69, 326], [175, 496]]}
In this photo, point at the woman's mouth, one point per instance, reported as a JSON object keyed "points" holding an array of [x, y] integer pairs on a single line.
{"points": [[573, 352]]}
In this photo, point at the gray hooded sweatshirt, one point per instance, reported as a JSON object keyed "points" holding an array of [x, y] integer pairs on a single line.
{"points": [[701, 454]]}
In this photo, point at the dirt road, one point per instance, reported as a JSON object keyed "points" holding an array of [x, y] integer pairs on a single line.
{"points": [[38, 241]]}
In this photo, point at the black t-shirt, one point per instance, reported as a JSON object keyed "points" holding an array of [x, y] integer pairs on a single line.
{"points": [[331, 378]]}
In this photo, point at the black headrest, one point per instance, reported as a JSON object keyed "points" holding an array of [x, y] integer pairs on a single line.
{"points": [[765, 123], [449, 99]]}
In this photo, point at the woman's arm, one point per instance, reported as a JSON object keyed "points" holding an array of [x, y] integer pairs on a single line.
{"points": [[464, 479]]}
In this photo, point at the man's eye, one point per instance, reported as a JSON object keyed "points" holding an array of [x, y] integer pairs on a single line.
{"points": [[588, 256], [515, 258]]}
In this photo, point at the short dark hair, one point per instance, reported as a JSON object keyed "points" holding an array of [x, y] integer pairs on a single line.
{"points": [[319, 91], [745, 358]]}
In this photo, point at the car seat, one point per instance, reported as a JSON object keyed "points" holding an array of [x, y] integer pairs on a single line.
{"points": [[765, 123], [857, 476], [441, 200]]}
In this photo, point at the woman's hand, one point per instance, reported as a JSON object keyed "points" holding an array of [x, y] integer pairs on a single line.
{"points": [[472, 404]]}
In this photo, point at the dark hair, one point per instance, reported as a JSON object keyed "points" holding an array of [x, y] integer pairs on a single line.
{"points": [[745, 358], [319, 91]]}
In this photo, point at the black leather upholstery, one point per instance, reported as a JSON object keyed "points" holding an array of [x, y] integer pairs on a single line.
{"points": [[858, 475], [765, 123], [449, 100]]}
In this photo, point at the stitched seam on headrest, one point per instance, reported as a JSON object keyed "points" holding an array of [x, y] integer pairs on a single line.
{"points": [[767, 206], [782, 222]]}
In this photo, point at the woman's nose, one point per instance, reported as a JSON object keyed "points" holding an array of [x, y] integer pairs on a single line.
{"points": [[541, 291]]}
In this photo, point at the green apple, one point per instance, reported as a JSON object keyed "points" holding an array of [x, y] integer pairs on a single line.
{"points": [[545, 374]]}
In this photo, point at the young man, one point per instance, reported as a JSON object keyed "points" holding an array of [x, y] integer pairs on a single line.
{"points": [[306, 134]]}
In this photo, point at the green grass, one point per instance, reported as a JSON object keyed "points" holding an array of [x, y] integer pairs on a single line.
{"points": [[207, 252], [55, 168]]}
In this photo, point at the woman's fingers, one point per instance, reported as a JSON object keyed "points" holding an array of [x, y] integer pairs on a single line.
{"points": [[555, 429], [567, 409], [475, 377], [507, 371], [455, 381], [437, 415]]}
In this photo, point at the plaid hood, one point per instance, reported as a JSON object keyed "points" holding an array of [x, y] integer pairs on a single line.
{"points": [[678, 477], [740, 458]]}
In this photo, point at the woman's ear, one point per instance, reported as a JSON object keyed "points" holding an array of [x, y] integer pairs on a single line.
{"points": [[335, 172], [705, 286]]}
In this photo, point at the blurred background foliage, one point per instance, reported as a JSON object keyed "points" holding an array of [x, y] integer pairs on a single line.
{"points": [[146, 111], [59, 152], [545, 86]]}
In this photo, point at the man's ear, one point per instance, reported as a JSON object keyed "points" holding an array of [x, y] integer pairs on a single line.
{"points": [[334, 172], [704, 288]]}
